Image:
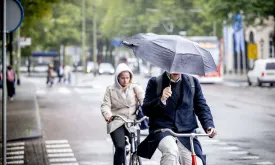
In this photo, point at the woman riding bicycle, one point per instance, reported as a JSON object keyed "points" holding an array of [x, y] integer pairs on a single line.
{"points": [[121, 98]]}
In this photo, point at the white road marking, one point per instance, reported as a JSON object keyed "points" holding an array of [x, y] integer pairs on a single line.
{"points": [[16, 153], [238, 152], [41, 92], [232, 148], [56, 141], [59, 151], [58, 146], [65, 164], [16, 162], [62, 160], [264, 163], [64, 90], [61, 155], [15, 144], [15, 157], [15, 148], [249, 158]]}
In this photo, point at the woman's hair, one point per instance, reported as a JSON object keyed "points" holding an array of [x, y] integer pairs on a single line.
{"points": [[131, 76]]}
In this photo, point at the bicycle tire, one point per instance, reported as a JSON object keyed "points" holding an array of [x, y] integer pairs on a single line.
{"points": [[139, 160], [135, 160], [125, 157]]}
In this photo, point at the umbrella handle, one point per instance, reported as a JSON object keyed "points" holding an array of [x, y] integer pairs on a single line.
{"points": [[170, 79]]}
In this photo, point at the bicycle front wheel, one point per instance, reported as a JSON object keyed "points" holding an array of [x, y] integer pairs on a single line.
{"points": [[135, 160]]}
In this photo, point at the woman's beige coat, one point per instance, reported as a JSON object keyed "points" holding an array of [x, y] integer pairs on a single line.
{"points": [[114, 103]]}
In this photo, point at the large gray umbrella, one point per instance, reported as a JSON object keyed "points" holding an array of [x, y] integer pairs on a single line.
{"points": [[172, 53]]}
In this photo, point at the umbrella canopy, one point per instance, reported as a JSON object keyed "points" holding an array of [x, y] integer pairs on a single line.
{"points": [[172, 53]]}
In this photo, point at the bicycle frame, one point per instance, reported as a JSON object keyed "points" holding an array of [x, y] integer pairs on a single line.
{"points": [[134, 133], [191, 136]]}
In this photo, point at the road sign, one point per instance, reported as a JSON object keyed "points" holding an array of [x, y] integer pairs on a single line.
{"points": [[14, 15], [252, 51], [25, 41]]}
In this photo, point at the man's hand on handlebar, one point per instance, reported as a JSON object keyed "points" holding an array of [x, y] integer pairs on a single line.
{"points": [[213, 130]]}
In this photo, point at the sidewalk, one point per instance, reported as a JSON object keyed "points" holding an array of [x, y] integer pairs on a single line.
{"points": [[23, 118], [235, 77], [235, 80]]}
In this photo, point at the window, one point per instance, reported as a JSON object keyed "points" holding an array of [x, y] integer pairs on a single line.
{"points": [[251, 37], [270, 66], [271, 46]]}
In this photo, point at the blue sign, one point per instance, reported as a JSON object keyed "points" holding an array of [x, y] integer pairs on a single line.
{"points": [[238, 33], [45, 54]]}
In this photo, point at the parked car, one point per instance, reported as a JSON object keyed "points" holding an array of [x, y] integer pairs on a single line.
{"points": [[106, 68], [90, 67], [263, 71]]}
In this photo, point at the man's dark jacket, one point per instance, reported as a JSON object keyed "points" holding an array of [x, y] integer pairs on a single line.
{"points": [[178, 116]]}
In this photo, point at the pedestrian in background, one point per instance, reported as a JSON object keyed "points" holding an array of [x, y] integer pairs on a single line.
{"points": [[10, 82], [50, 75], [67, 74], [60, 73]]}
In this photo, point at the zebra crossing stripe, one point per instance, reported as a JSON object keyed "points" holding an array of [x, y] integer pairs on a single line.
{"points": [[238, 152], [65, 164], [59, 160], [210, 141], [263, 163], [15, 144], [149, 163], [249, 158], [15, 148], [64, 90], [59, 150], [58, 146], [16, 162], [56, 141], [232, 148], [15, 157], [61, 155], [16, 153]]}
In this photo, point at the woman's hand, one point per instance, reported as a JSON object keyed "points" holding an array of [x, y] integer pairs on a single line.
{"points": [[108, 118]]}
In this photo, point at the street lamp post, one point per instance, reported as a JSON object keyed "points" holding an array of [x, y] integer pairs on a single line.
{"points": [[94, 40], [83, 38], [3, 31]]}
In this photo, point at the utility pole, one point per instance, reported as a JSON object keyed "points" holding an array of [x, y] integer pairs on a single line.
{"points": [[3, 31], [94, 40], [83, 50]]}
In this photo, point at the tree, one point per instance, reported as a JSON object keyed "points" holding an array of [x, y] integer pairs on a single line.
{"points": [[252, 10], [36, 14]]}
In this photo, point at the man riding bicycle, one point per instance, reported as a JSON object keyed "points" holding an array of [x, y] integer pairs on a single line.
{"points": [[173, 101]]}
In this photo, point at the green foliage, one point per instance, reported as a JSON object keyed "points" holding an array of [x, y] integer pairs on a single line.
{"points": [[252, 9], [51, 23]]}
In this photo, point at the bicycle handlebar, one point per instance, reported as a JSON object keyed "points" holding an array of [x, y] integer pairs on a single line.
{"points": [[182, 134], [128, 121]]}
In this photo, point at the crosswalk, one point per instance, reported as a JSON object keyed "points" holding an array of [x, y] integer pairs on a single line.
{"points": [[59, 152], [15, 153], [63, 90]]}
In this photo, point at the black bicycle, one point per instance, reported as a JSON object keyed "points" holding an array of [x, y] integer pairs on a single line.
{"points": [[134, 130]]}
